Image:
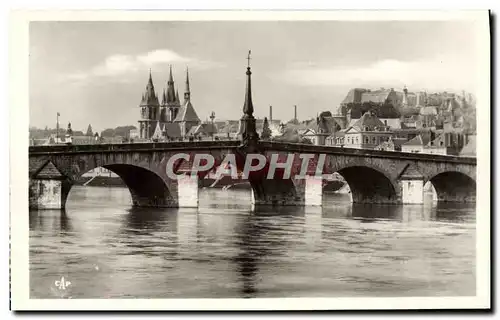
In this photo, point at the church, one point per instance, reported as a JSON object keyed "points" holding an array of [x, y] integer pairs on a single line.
{"points": [[170, 119]]}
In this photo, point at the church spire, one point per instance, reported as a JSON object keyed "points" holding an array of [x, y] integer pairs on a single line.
{"points": [[248, 106], [170, 88], [149, 96], [150, 85], [247, 127], [177, 97], [187, 91], [170, 78], [163, 98]]}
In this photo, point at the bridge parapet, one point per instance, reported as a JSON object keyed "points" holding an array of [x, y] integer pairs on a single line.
{"points": [[374, 176]]}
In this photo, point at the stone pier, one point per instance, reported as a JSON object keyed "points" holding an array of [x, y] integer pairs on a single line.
{"points": [[48, 188], [412, 183], [187, 190], [313, 191], [413, 191]]}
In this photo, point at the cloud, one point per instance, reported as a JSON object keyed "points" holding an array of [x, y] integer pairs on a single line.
{"points": [[440, 73], [118, 65]]}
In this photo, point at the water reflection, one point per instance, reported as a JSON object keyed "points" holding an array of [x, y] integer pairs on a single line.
{"points": [[64, 222], [278, 211], [50, 220], [248, 256], [147, 220], [223, 249], [262, 238], [150, 231], [453, 212]]}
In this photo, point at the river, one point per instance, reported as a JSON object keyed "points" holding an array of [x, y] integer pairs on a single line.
{"points": [[104, 248]]}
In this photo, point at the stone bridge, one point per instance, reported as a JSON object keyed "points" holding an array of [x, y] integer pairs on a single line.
{"points": [[373, 176]]}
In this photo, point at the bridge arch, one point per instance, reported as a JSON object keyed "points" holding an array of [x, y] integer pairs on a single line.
{"points": [[368, 182], [454, 186], [146, 187], [369, 185]]}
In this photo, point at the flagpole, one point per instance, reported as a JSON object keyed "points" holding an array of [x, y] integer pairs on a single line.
{"points": [[57, 128]]}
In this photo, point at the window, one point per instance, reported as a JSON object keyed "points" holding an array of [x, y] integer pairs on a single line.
{"points": [[441, 143], [374, 140], [366, 139], [385, 122]]}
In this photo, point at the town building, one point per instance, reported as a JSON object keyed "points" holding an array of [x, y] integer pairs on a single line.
{"points": [[436, 142], [366, 133], [322, 131], [393, 144]]}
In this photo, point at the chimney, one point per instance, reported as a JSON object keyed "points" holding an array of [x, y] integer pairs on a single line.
{"points": [[270, 113], [295, 112]]}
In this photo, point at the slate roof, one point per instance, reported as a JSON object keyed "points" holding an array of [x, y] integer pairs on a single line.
{"points": [[418, 141], [204, 128], [341, 120], [172, 130], [47, 171], [187, 114], [368, 120]]}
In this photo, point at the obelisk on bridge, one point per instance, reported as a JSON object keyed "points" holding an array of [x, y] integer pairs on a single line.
{"points": [[248, 130]]}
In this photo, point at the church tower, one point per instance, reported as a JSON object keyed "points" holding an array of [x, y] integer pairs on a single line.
{"points": [[187, 117], [171, 102], [150, 110]]}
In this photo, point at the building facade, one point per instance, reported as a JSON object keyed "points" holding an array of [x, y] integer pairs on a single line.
{"points": [[366, 133]]}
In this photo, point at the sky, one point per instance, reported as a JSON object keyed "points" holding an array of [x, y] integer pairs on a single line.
{"points": [[95, 72]]}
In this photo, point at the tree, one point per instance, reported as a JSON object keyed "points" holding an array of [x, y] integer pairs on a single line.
{"points": [[89, 131], [266, 131], [325, 114], [385, 110]]}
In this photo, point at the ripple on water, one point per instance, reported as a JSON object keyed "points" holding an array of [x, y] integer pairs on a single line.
{"points": [[222, 249]]}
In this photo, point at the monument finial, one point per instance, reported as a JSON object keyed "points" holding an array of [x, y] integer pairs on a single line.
{"points": [[248, 130], [248, 58]]}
